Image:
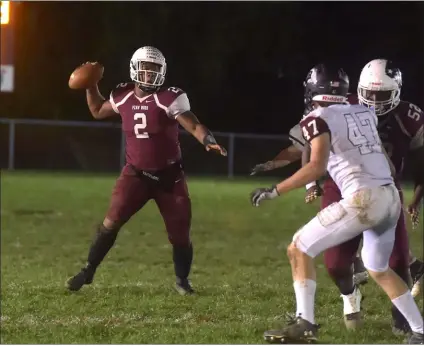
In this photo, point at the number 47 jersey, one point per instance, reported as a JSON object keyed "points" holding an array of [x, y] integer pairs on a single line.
{"points": [[150, 126], [356, 158]]}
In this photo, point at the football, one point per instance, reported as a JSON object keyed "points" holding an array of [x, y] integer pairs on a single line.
{"points": [[86, 75]]}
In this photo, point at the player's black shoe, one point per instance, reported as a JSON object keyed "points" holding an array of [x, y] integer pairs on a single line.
{"points": [[183, 287], [416, 339], [84, 277], [297, 331], [401, 329], [360, 274]]}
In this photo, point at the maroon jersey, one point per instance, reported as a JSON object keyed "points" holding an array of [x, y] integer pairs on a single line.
{"points": [[149, 125], [352, 99], [400, 130]]}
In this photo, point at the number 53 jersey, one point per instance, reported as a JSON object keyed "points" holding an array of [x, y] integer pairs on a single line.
{"points": [[150, 126], [401, 132], [356, 158]]}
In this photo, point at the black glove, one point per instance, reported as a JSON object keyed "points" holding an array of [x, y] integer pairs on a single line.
{"points": [[258, 195]]}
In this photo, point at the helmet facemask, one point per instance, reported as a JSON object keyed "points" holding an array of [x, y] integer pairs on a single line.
{"points": [[381, 101], [149, 76]]}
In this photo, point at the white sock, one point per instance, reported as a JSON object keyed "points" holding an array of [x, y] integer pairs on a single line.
{"points": [[409, 309], [352, 302], [305, 299]]}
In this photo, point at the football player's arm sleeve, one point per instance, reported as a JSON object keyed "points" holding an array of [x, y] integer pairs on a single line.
{"points": [[180, 105]]}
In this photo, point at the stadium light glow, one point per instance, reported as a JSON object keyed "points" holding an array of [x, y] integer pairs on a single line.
{"points": [[5, 12]]}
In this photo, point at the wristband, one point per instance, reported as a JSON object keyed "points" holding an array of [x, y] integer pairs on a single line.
{"points": [[209, 139], [274, 191], [308, 186]]}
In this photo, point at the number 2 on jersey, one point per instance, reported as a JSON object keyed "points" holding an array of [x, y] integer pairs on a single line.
{"points": [[140, 126]]}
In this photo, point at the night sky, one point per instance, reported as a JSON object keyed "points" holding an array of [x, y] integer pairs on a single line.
{"points": [[242, 64]]}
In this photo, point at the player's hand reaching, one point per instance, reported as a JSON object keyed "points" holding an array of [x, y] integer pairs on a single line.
{"points": [[260, 194], [262, 167], [313, 193], [414, 213], [216, 148]]}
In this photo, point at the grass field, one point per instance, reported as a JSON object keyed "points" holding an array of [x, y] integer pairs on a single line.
{"points": [[240, 269]]}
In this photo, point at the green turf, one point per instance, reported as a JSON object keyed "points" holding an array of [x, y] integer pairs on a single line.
{"points": [[240, 269]]}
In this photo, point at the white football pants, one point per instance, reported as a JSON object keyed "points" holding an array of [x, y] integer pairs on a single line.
{"points": [[373, 212]]}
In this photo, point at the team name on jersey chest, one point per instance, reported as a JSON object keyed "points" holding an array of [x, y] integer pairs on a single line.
{"points": [[140, 107]]}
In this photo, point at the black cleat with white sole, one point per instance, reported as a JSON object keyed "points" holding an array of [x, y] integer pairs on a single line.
{"points": [[297, 331], [183, 287], [84, 277]]}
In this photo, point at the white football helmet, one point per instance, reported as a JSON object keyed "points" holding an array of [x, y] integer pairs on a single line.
{"points": [[379, 86], [149, 79]]}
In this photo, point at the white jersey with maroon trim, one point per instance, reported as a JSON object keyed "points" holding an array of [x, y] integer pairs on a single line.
{"points": [[356, 159]]}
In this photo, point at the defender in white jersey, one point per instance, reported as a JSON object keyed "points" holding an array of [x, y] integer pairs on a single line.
{"points": [[344, 141]]}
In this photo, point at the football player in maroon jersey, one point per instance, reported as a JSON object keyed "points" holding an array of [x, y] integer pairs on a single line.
{"points": [[401, 130], [151, 115], [354, 157]]}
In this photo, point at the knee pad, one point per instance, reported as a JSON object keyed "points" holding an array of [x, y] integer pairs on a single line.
{"points": [[111, 226]]}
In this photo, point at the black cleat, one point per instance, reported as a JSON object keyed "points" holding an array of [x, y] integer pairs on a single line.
{"points": [[416, 339], [297, 331], [360, 274], [401, 330], [84, 277], [183, 287]]}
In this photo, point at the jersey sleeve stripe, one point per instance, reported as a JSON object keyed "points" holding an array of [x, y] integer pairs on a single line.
{"points": [[112, 102], [127, 96], [402, 127], [160, 105]]}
